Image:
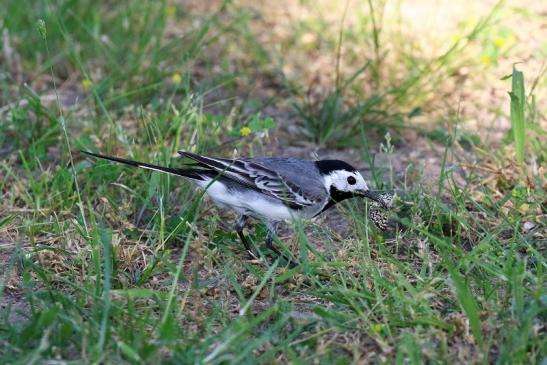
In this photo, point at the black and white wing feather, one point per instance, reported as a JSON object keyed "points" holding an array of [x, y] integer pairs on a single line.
{"points": [[258, 177]]}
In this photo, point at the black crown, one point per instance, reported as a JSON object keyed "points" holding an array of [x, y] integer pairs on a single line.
{"points": [[328, 166]]}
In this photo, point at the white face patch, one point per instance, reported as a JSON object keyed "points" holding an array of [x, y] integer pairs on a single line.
{"points": [[344, 180]]}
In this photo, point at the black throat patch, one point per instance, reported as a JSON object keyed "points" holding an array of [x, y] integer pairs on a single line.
{"points": [[336, 196]]}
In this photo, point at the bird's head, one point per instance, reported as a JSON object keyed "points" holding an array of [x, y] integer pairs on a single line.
{"points": [[343, 181]]}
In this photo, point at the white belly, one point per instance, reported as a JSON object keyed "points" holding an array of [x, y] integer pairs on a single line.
{"points": [[251, 202]]}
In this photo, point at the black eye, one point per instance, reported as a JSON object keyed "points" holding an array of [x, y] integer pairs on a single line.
{"points": [[351, 180]]}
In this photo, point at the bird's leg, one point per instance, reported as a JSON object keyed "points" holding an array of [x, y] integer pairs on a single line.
{"points": [[240, 224], [272, 230], [270, 245]]}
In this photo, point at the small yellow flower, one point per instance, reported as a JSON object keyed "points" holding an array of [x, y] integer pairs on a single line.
{"points": [[176, 78], [377, 328], [500, 42], [455, 37], [170, 10], [486, 59], [87, 84], [245, 131]]}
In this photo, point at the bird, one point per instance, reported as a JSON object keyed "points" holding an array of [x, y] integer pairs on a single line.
{"points": [[272, 189]]}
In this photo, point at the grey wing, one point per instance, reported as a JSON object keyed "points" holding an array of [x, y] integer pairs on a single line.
{"points": [[254, 174], [300, 176]]}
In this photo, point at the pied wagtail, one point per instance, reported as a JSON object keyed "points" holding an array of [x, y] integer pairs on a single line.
{"points": [[273, 189]]}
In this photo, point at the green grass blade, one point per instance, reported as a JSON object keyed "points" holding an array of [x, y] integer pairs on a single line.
{"points": [[467, 301], [518, 122], [107, 283], [263, 282]]}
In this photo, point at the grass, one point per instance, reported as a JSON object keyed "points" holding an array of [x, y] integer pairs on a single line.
{"points": [[331, 117], [518, 122], [106, 264]]}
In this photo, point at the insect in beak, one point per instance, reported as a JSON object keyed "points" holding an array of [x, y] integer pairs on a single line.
{"points": [[377, 197]]}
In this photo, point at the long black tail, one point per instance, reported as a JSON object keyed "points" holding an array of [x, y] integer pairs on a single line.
{"points": [[189, 173]]}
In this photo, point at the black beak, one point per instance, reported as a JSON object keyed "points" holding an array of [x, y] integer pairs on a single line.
{"points": [[374, 196]]}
